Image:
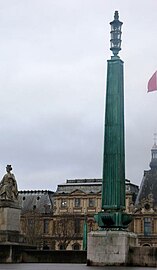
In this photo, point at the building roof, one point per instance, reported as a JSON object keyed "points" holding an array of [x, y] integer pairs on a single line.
{"points": [[148, 187], [89, 186], [39, 200], [42, 200], [85, 185]]}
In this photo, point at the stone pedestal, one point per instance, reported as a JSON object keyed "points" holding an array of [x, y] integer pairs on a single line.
{"points": [[9, 221], [109, 247]]}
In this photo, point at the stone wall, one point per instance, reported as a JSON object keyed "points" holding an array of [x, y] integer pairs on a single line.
{"points": [[138, 256], [12, 253], [25, 254], [143, 256], [56, 256]]}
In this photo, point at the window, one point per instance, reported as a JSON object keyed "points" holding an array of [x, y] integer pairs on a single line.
{"points": [[147, 226], [77, 226], [54, 227], [30, 223], [91, 202], [46, 226], [62, 247], [45, 247], [146, 245], [63, 203], [147, 206], [76, 246], [154, 155], [77, 202], [127, 187]]}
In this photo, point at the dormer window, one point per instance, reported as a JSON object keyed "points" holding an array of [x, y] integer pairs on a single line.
{"points": [[147, 206]]}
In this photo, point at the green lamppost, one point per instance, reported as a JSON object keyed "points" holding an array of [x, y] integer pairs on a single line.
{"points": [[85, 233], [112, 215]]}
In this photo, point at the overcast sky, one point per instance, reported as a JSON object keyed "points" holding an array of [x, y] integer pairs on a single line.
{"points": [[53, 60]]}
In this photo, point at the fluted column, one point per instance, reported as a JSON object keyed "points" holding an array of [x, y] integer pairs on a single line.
{"points": [[113, 188]]}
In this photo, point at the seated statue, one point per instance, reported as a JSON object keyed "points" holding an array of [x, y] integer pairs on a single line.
{"points": [[8, 186]]}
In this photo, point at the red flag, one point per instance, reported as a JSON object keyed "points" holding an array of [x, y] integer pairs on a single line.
{"points": [[152, 84]]}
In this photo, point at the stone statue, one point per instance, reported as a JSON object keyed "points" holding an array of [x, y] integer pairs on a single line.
{"points": [[8, 186]]}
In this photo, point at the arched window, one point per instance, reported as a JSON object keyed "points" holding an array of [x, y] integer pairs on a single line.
{"points": [[146, 245], [45, 247], [62, 247], [76, 246]]}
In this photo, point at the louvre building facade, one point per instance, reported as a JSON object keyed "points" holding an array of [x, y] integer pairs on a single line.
{"points": [[56, 220]]}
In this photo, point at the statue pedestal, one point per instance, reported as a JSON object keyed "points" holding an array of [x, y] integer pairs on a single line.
{"points": [[11, 241], [109, 247], [9, 221]]}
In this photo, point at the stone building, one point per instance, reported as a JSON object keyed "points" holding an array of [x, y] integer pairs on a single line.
{"points": [[37, 217], [77, 201], [55, 220], [145, 212], [74, 202]]}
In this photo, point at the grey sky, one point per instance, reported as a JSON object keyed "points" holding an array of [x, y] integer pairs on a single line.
{"points": [[53, 56]]}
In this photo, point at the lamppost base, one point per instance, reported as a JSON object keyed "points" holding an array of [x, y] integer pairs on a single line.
{"points": [[110, 247], [113, 220]]}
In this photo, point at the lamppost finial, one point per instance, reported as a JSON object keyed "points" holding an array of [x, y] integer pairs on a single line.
{"points": [[115, 34]]}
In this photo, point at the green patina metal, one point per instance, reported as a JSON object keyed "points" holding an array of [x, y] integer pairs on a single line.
{"points": [[113, 189], [85, 234], [113, 185]]}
